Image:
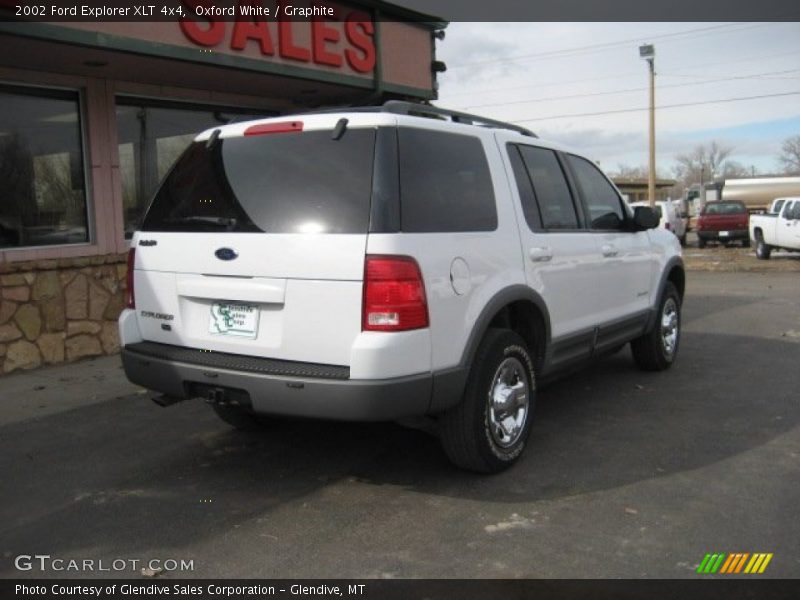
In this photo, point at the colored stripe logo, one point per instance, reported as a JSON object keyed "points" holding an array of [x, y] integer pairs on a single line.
{"points": [[736, 562]]}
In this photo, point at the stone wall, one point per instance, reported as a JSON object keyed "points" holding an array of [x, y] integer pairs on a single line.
{"points": [[56, 311]]}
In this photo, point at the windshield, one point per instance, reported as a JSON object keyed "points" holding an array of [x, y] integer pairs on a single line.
{"points": [[278, 183]]}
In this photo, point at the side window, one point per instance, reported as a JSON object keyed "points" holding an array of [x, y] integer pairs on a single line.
{"points": [[550, 189], [788, 209], [600, 197], [445, 183], [525, 188]]}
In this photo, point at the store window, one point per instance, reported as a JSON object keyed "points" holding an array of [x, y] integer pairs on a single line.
{"points": [[151, 136], [42, 177]]}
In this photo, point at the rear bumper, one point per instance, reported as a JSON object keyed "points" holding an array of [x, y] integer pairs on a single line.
{"points": [[733, 234], [291, 389]]}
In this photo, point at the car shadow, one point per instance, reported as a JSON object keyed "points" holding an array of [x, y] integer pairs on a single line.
{"points": [[129, 475]]}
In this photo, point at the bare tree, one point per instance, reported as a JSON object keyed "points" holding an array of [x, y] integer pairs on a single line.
{"points": [[735, 169], [790, 155], [704, 163]]}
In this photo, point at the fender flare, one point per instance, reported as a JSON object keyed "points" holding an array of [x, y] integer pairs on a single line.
{"points": [[672, 263], [501, 299]]}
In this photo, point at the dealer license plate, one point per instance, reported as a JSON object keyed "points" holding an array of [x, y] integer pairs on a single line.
{"points": [[233, 318], [724, 233]]}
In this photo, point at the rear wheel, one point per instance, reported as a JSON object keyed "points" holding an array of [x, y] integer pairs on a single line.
{"points": [[746, 243], [488, 430], [239, 418], [763, 250], [701, 243], [656, 350]]}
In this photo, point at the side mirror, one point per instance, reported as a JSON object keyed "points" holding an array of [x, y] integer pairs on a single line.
{"points": [[645, 218]]}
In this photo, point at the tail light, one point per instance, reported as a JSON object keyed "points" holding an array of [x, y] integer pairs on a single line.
{"points": [[394, 294], [130, 298]]}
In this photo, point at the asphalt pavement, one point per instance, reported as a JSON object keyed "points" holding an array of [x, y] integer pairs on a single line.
{"points": [[628, 474]]}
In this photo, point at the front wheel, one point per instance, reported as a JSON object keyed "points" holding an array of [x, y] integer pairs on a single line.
{"points": [[488, 430], [656, 350]]}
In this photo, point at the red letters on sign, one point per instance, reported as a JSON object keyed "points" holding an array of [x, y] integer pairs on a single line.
{"points": [[352, 41], [359, 32], [287, 46], [245, 29], [321, 35]]}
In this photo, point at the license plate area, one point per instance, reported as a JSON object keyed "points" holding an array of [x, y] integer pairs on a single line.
{"points": [[724, 233], [236, 319]]}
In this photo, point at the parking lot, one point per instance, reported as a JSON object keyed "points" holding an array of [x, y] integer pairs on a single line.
{"points": [[628, 474]]}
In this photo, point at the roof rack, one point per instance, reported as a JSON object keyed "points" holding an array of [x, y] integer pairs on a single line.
{"points": [[399, 107]]}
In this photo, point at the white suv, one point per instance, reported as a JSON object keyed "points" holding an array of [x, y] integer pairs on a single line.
{"points": [[387, 262]]}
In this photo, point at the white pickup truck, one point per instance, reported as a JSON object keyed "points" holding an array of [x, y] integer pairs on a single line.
{"points": [[777, 229]]}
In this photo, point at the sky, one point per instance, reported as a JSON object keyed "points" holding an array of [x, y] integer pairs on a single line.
{"points": [[548, 76]]}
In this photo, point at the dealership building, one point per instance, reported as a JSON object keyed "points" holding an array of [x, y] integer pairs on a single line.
{"points": [[93, 114]]}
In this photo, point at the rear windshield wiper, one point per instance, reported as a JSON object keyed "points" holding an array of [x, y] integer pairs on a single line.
{"points": [[227, 223]]}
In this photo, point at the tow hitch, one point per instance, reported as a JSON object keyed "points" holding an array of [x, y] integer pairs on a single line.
{"points": [[216, 396]]}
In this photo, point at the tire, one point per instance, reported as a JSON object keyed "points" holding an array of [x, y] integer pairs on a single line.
{"points": [[701, 243], [746, 243], [474, 434], [763, 250], [656, 350], [239, 418]]}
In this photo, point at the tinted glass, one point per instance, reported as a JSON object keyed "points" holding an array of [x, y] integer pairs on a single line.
{"points": [[602, 200], [550, 188], [445, 183], [42, 181], [724, 208], [525, 187], [151, 138], [278, 183]]}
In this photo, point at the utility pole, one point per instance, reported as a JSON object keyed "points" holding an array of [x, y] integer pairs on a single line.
{"points": [[648, 52]]}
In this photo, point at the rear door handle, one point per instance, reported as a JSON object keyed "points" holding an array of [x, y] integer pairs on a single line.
{"points": [[609, 250], [540, 254]]}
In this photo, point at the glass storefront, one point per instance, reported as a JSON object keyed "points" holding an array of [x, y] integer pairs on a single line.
{"points": [[152, 135], [43, 199]]}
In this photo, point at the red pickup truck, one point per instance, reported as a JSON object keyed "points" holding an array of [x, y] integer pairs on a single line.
{"points": [[724, 221]]}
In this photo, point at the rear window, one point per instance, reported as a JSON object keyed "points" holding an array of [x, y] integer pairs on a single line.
{"points": [[724, 208], [278, 183]]}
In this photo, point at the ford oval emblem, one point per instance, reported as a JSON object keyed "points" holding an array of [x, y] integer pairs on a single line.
{"points": [[226, 254]]}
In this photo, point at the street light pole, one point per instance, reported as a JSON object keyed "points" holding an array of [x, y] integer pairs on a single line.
{"points": [[648, 52]]}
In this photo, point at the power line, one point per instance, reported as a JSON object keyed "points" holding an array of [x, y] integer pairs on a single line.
{"points": [[621, 76], [609, 45], [662, 107], [628, 90]]}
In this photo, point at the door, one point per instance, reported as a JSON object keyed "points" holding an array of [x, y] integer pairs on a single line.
{"points": [[255, 245], [788, 225], [627, 266], [558, 252]]}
